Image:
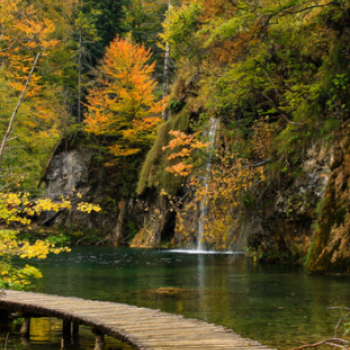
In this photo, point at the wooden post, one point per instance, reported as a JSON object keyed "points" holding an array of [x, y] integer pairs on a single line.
{"points": [[75, 329], [4, 315], [76, 340], [25, 342], [66, 329], [25, 328], [100, 341]]}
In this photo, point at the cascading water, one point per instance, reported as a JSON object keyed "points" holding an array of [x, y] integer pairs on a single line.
{"points": [[203, 206]]}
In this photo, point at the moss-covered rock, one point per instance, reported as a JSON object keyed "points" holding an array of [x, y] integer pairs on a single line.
{"points": [[331, 250], [153, 174]]}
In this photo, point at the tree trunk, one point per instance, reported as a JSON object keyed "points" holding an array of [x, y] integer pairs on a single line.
{"points": [[79, 78], [118, 237], [7, 133], [166, 76]]}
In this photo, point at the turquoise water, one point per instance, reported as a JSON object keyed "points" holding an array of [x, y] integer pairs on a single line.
{"points": [[278, 305]]}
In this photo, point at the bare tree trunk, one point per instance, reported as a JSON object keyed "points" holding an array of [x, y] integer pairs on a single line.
{"points": [[79, 75], [7, 133], [166, 76], [119, 229]]}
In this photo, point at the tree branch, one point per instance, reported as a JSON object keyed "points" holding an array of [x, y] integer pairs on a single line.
{"points": [[329, 341], [6, 136], [280, 111]]}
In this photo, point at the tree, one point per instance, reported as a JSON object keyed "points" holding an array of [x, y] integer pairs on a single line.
{"points": [[108, 18], [86, 30], [122, 108], [143, 20], [122, 105], [19, 208], [42, 111]]}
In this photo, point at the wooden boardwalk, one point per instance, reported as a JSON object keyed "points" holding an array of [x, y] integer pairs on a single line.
{"points": [[144, 328]]}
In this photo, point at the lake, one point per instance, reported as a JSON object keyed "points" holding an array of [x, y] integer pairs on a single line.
{"points": [[278, 305]]}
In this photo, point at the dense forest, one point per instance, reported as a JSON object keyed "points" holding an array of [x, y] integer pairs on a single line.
{"points": [[205, 124]]}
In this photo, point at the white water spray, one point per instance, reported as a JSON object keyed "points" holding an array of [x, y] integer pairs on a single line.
{"points": [[203, 206], [205, 252]]}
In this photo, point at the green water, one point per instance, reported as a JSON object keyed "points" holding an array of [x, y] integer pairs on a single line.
{"points": [[278, 305]]}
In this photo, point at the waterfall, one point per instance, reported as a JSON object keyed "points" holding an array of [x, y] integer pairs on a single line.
{"points": [[203, 206]]}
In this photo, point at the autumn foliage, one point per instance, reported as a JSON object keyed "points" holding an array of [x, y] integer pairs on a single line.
{"points": [[19, 209], [122, 104], [182, 146]]}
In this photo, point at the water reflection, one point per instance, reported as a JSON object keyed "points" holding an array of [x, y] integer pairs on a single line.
{"points": [[46, 334], [202, 288], [278, 305], [204, 252]]}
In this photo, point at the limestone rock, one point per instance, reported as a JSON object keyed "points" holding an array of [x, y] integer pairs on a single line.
{"points": [[331, 249], [71, 173]]}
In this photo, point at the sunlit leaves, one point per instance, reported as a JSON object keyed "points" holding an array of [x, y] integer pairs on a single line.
{"points": [[88, 207], [122, 104], [20, 208], [182, 146], [15, 277]]}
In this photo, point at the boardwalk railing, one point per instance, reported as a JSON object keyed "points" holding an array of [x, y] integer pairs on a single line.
{"points": [[144, 328]]}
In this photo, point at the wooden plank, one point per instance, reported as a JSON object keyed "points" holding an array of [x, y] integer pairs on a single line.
{"points": [[197, 333], [150, 327], [197, 341], [29, 300], [196, 347], [149, 320], [169, 331], [86, 308], [117, 318], [131, 322], [97, 310], [195, 338]]}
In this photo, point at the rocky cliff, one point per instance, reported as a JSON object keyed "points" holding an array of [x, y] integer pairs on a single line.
{"points": [[71, 173], [281, 231], [330, 250], [284, 229]]}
